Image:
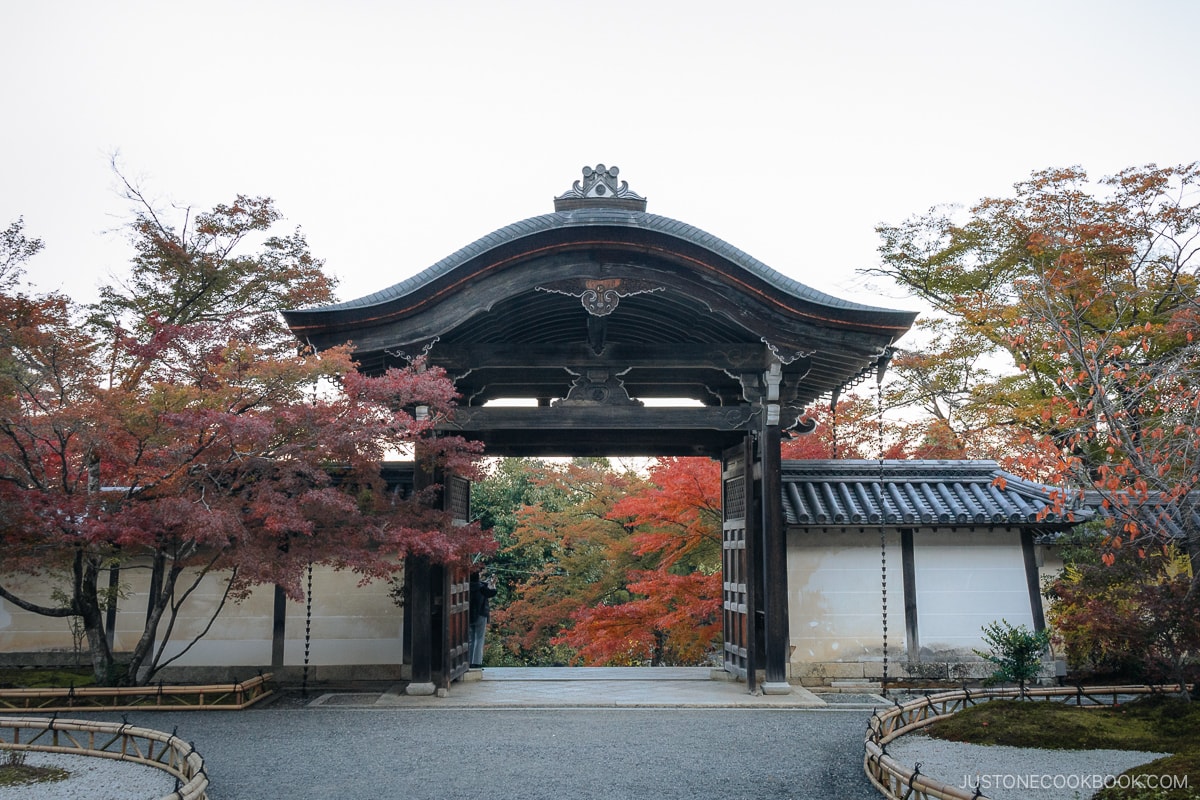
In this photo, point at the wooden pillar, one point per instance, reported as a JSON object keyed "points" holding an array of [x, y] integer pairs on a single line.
{"points": [[110, 617], [439, 586], [156, 578], [406, 657], [909, 566], [279, 618], [774, 561], [1033, 580], [419, 612], [419, 617]]}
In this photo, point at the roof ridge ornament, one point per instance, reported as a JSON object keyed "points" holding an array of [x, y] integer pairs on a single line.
{"points": [[600, 188]]}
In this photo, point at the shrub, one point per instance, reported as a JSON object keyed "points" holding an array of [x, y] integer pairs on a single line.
{"points": [[1016, 652]]}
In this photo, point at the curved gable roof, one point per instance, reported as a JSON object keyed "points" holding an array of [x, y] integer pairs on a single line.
{"points": [[583, 218], [622, 241], [660, 283]]}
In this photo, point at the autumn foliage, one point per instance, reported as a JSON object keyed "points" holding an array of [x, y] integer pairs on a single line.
{"points": [[853, 427], [175, 427], [629, 570], [1127, 614], [674, 613], [1068, 344], [563, 553]]}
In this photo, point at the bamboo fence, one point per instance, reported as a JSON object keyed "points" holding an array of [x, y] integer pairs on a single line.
{"points": [[112, 740], [231, 696], [900, 782]]}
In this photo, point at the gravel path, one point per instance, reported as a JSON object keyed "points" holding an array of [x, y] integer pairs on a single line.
{"points": [[92, 779], [607, 754]]}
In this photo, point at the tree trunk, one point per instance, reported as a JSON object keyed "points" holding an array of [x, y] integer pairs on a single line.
{"points": [[88, 608], [162, 587]]}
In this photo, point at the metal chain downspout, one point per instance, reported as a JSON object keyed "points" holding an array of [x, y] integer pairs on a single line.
{"points": [[882, 530], [307, 629], [833, 423], [308, 604]]}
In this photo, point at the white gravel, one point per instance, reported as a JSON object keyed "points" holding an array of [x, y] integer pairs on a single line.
{"points": [[1016, 773], [92, 778]]}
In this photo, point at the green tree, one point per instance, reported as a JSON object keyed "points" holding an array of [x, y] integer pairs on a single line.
{"points": [[508, 486], [1067, 339], [578, 557], [1015, 651], [15, 251]]}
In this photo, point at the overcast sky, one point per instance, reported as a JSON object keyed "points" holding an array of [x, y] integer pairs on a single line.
{"points": [[396, 132]]}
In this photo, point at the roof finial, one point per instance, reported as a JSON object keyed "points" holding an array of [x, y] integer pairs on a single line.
{"points": [[600, 187]]}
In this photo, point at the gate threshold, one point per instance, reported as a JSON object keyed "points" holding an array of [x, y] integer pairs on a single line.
{"points": [[583, 687], [597, 674]]}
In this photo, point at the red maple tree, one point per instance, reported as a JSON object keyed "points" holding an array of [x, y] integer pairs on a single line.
{"points": [[572, 556], [670, 613], [175, 427]]}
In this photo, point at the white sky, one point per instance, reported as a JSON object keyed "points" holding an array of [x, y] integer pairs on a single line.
{"points": [[397, 132]]}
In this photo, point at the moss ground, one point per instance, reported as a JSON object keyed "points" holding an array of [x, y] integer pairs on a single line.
{"points": [[15, 772], [18, 678], [1156, 723]]}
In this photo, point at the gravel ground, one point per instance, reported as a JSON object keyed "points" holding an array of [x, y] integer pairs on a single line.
{"points": [[672, 754], [1015, 773], [92, 779], [365, 754]]}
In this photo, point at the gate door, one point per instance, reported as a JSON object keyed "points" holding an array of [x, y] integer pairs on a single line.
{"points": [[456, 590], [738, 560]]}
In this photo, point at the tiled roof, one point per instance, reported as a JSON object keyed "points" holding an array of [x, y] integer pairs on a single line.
{"points": [[845, 493], [585, 217], [1169, 519]]}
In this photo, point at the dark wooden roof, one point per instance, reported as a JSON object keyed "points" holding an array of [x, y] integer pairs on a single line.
{"points": [[922, 493], [602, 292]]}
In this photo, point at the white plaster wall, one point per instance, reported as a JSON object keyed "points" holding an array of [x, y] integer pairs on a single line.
{"points": [[835, 596], [241, 635], [351, 624], [965, 580], [24, 632]]}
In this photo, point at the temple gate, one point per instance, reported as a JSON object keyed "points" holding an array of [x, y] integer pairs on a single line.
{"points": [[625, 333]]}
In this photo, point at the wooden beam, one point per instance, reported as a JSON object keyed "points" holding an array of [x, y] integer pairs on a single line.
{"points": [[736, 357], [569, 444], [1032, 580], [909, 568], [601, 417]]}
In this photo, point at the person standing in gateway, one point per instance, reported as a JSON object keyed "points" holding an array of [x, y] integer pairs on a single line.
{"points": [[481, 593]]}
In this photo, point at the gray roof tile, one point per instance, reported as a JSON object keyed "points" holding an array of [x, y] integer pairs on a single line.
{"points": [[850, 493]]}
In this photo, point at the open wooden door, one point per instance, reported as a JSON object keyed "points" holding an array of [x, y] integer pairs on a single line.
{"points": [[453, 628], [739, 560]]}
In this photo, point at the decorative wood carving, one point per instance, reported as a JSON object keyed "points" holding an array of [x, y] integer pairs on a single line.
{"points": [[404, 356], [597, 387], [600, 296], [786, 355], [600, 187]]}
